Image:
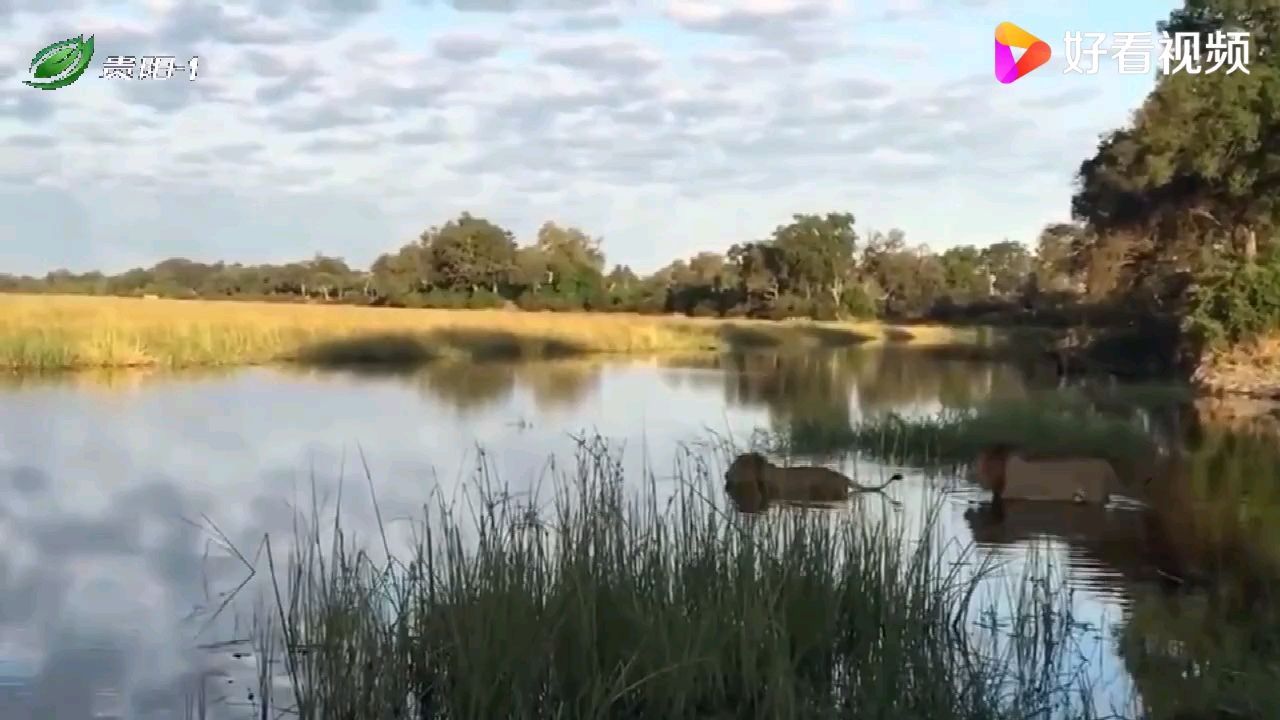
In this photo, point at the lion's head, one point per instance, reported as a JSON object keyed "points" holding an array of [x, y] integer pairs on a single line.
{"points": [[745, 482], [747, 467]]}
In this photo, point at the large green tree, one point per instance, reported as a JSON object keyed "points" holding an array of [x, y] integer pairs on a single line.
{"points": [[1197, 171], [574, 261], [471, 253], [964, 273], [818, 251], [1007, 265]]}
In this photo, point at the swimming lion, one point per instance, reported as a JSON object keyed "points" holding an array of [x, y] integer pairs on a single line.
{"points": [[1012, 476], [754, 484]]}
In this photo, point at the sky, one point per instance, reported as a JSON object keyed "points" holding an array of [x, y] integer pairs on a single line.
{"points": [[664, 127]]}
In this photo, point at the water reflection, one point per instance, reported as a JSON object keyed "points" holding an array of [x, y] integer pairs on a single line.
{"points": [[1097, 536], [91, 603], [110, 568], [1196, 569], [1212, 644], [812, 396], [826, 385], [474, 388]]}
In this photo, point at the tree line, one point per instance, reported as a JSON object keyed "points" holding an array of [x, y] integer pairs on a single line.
{"points": [[814, 266]]}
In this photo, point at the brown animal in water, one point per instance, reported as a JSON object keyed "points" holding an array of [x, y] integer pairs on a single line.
{"points": [[754, 484], [1012, 476]]}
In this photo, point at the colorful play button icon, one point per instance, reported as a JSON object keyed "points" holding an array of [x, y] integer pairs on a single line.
{"points": [[1009, 36]]}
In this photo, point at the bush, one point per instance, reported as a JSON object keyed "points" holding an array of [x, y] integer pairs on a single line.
{"points": [[410, 300], [787, 306], [1236, 302], [536, 301], [944, 310], [485, 300], [824, 309], [649, 305], [444, 300], [705, 309], [859, 303]]}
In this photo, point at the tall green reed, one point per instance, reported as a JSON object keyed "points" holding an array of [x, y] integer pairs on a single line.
{"points": [[614, 601]]}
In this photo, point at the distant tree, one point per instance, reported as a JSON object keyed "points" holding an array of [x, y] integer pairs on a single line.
{"points": [[816, 265], [1008, 264], [1055, 261], [964, 273], [574, 260], [471, 253], [819, 253]]}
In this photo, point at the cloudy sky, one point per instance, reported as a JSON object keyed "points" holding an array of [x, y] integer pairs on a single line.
{"points": [[666, 127]]}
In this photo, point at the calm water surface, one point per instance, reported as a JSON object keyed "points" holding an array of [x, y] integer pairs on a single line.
{"points": [[120, 494]]}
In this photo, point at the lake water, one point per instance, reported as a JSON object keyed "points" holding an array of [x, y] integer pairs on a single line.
{"points": [[120, 494]]}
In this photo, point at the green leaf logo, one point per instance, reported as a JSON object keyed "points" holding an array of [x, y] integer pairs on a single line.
{"points": [[61, 63]]}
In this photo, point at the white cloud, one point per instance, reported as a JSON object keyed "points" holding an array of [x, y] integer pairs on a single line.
{"points": [[466, 47], [348, 126]]}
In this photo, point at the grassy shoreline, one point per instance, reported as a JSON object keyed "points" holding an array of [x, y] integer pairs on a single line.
{"points": [[51, 332], [615, 603]]}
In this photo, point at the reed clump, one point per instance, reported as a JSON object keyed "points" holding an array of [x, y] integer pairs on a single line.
{"points": [[50, 332], [956, 437], [614, 602]]}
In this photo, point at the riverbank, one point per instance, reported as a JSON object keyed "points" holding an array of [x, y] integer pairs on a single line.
{"points": [[51, 332], [1248, 370], [1162, 350]]}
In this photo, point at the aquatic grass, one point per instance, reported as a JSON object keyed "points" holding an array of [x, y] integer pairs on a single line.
{"points": [[619, 601], [955, 437], [50, 332]]}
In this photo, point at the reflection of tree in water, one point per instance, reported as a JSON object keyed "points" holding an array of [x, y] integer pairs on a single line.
{"points": [[789, 384], [469, 387], [813, 393], [1187, 653], [796, 389], [561, 385], [112, 380], [898, 378], [1215, 643], [1201, 567]]}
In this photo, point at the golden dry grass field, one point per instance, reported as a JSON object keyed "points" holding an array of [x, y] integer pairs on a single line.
{"points": [[57, 332]]}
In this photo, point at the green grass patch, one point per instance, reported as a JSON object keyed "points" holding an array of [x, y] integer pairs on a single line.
{"points": [[956, 437], [613, 601]]}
